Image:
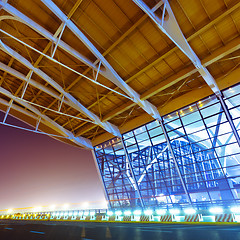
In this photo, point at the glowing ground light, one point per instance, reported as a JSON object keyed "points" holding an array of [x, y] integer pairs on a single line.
{"points": [[52, 207], [137, 212], [10, 210], [161, 211], [92, 213], [216, 210], [235, 209], [148, 212], [118, 213], [66, 206], [85, 205], [109, 213], [86, 213], [190, 211], [127, 213], [174, 211]]}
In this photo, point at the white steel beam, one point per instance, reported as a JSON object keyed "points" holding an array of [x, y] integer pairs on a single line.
{"points": [[42, 31], [109, 72], [170, 27], [39, 86], [83, 142], [72, 101]]}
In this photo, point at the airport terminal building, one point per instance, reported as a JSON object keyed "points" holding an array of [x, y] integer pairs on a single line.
{"points": [[151, 87], [190, 158]]}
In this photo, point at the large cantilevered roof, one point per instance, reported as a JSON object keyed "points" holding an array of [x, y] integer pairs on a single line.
{"points": [[84, 71]]}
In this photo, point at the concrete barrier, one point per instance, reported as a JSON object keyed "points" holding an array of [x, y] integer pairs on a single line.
{"points": [[193, 218], [127, 219], [227, 217], [167, 218], [111, 218], [144, 218]]}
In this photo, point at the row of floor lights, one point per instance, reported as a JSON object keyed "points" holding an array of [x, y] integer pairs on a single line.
{"points": [[189, 211], [73, 213], [138, 212]]}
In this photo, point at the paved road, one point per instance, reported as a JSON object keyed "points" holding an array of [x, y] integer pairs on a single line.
{"points": [[115, 231]]}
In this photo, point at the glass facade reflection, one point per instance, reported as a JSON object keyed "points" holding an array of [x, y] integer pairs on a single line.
{"points": [[197, 163]]}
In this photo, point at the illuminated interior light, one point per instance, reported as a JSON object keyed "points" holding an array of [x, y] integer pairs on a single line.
{"points": [[161, 211], [65, 214], [127, 213], [137, 212], [118, 213], [169, 116], [109, 213], [70, 213], [174, 211], [216, 210], [235, 209], [190, 211], [148, 212]]}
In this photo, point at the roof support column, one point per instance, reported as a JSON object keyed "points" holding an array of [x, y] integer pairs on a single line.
{"points": [[175, 160], [133, 175], [229, 118]]}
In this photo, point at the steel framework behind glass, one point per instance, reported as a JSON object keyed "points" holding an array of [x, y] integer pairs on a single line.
{"points": [[200, 166]]}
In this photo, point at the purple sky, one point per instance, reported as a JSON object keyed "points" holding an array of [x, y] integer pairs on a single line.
{"points": [[38, 170]]}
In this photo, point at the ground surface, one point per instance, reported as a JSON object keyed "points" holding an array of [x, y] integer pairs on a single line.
{"points": [[20, 230]]}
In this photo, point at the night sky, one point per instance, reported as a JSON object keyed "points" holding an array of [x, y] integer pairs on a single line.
{"points": [[37, 170]]}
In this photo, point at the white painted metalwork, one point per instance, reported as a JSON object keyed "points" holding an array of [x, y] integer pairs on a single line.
{"points": [[38, 122], [83, 142], [52, 110], [59, 38], [170, 27], [29, 75], [8, 109], [109, 73], [39, 29], [72, 101], [41, 87], [65, 66]]}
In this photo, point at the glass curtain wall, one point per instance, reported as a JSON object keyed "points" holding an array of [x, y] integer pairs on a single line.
{"points": [[200, 167]]}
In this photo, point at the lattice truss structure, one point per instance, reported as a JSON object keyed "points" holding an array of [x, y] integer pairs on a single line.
{"points": [[83, 71]]}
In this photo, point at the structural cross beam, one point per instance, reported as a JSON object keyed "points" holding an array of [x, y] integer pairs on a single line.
{"points": [[169, 26], [80, 141], [109, 72], [43, 32], [71, 100]]}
